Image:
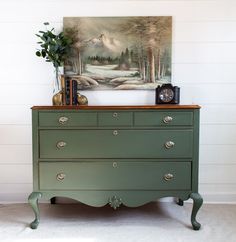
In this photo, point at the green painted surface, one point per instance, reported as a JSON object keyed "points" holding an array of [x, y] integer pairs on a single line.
{"points": [[115, 119], [73, 119], [125, 167], [126, 144], [197, 203], [157, 118], [115, 176], [129, 198]]}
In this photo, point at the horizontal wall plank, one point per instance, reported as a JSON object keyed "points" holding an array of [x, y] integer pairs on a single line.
{"points": [[208, 173], [208, 94], [217, 188], [41, 95], [210, 114], [15, 193], [218, 134], [217, 154], [26, 94], [217, 174], [191, 52], [15, 114], [41, 11], [25, 31], [203, 73], [214, 154], [218, 114], [220, 193], [209, 134], [13, 173], [182, 53], [16, 154], [182, 73], [201, 31], [15, 134], [13, 187]]}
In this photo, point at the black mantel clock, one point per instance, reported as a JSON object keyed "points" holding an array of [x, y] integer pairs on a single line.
{"points": [[167, 94]]}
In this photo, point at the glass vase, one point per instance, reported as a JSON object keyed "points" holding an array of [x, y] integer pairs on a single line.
{"points": [[57, 79], [57, 90]]}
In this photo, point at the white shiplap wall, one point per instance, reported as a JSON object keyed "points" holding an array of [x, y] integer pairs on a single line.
{"points": [[204, 64]]}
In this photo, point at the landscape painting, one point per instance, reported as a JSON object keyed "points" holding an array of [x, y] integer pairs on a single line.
{"points": [[119, 53]]}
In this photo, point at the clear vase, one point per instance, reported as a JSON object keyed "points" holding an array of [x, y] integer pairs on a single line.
{"points": [[57, 79], [57, 90]]}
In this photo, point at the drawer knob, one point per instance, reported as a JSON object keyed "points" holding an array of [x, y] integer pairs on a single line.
{"points": [[63, 120], [115, 115], [61, 176], [61, 144], [115, 132], [168, 177], [114, 164], [167, 119], [169, 144]]}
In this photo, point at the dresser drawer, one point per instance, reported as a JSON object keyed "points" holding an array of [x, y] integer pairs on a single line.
{"points": [[66, 119], [115, 176], [115, 143], [168, 118], [115, 118]]}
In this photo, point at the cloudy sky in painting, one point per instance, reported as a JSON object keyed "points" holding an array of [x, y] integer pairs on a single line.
{"points": [[101, 34]]}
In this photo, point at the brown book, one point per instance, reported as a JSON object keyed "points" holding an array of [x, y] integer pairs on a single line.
{"points": [[71, 93]]}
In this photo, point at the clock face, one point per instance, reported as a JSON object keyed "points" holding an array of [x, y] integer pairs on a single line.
{"points": [[166, 95]]}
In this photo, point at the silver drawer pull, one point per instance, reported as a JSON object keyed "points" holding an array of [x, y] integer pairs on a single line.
{"points": [[167, 119], [61, 144], [61, 176], [169, 144], [114, 164], [115, 132], [63, 120], [115, 115], [168, 177]]}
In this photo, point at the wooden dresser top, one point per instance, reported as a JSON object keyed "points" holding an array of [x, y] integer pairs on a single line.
{"points": [[86, 107]]}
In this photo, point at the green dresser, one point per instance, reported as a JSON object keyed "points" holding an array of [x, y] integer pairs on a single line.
{"points": [[117, 155]]}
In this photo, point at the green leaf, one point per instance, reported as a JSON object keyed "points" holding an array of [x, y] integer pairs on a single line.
{"points": [[43, 53], [38, 53]]}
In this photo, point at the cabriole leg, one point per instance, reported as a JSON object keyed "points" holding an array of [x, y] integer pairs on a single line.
{"points": [[53, 200], [33, 201], [180, 202], [197, 203]]}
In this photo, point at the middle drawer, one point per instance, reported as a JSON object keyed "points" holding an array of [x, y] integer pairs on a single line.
{"points": [[115, 143]]}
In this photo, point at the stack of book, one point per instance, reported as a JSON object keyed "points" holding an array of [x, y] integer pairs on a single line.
{"points": [[69, 88]]}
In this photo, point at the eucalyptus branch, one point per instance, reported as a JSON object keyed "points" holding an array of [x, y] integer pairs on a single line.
{"points": [[53, 47]]}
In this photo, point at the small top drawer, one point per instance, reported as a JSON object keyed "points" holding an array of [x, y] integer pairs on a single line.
{"points": [[67, 119], [115, 118], [167, 118]]}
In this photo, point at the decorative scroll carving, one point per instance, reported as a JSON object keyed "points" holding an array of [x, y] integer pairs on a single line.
{"points": [[115, 202]]}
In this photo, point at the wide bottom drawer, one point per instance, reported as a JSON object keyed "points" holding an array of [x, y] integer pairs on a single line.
{"points": [[115, 175]]}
